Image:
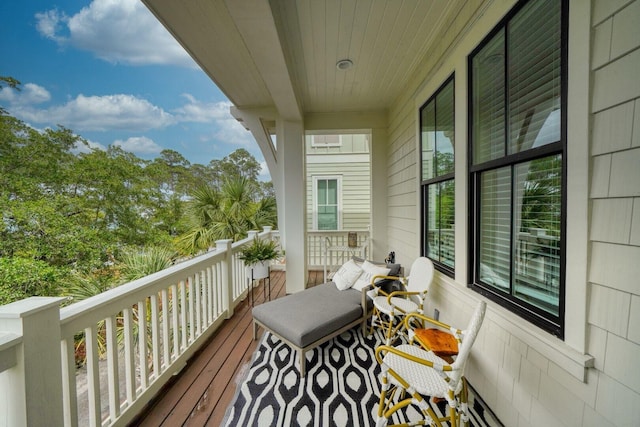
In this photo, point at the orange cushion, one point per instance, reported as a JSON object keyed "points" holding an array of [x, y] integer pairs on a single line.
{"points": [[440, 342]]}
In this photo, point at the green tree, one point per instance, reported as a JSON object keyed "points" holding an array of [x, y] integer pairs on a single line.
{"points": [[226, 214], [79, 224], [238, 164], [141, 263], [8, 82], [24, 277]]}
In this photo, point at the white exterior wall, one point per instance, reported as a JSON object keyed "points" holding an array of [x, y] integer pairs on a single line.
{"points": [[527, 376], [350, 162], [614, 231]]}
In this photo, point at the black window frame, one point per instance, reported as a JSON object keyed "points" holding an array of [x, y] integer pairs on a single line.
{"points": [[546, 321], [425, 184]]}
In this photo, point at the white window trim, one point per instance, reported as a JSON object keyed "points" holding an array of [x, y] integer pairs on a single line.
{"points": [[314, 191]]}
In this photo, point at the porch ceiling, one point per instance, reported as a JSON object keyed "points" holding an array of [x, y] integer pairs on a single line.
{"points": [[282, 54]]}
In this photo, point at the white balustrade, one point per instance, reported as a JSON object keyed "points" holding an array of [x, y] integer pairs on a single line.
{"points": [[100, 360]]}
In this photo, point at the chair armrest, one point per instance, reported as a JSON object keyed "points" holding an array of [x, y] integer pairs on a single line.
{"points": [[379, 290], [425, 319], [382, 350], [399, 278]]}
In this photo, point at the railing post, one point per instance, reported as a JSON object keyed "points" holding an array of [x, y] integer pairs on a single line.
{"points": [[227, 276], [32, 388]]}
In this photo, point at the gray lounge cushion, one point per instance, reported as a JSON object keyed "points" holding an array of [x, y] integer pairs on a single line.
{"points": [[305, 317]]}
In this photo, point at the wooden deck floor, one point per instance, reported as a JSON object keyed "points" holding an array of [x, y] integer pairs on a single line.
{"points": [[201, 393]]}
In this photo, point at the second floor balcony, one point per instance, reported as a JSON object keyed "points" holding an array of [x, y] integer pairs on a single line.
{"points": [[108, 356]]}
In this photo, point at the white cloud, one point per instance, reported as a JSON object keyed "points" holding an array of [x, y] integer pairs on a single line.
{"points": [[125, 112], [117, 31], [29, 95], [228, 129], [264, 170], [201, 112], [81, 148], [99, 113], [140, 145], [49, 23]]}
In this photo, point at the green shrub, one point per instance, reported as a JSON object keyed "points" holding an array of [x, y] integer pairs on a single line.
{"points": [[23, 277]]}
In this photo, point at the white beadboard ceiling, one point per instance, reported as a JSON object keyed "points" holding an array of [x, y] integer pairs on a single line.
{"points": [[282, 54]]}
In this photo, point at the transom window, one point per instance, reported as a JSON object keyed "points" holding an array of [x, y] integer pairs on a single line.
{"points": [[437, 137], [326, 141], [517, 163]]}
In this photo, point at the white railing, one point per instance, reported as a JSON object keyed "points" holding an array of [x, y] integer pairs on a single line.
{"points": [[116, 349], [327, 250]]}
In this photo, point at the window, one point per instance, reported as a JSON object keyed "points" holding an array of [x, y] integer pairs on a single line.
{"points": [[327, 203], [326, 141], [517, 163], [437, 139]]}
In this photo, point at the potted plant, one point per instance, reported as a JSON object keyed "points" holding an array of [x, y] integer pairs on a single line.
{"points": [[257, 257]]}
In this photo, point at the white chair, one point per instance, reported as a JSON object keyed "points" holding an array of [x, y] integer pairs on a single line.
{"points": [[389, 309], [410, 373]]}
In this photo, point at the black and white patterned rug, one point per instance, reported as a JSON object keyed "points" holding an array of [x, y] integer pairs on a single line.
{"points": [[341, 387]]}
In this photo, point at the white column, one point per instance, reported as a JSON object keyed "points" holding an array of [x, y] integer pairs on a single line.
{"points": [[32, 389], [292, 209], [379, 201]]}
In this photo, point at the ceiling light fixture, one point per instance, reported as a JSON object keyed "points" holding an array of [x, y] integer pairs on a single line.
{"points": [[344, 64]]}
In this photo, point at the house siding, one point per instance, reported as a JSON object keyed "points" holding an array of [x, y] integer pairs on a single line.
{"points": [[614, 288], [350, 162], [526, 376]]}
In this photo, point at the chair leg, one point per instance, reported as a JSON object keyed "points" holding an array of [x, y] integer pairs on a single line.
{"points": [[453, 415], [390, 330], [375, 317], [403, 396], [381, 420], [464, 404]]}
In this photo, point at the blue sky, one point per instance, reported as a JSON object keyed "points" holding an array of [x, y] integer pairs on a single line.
{"points": [[109, 71]]}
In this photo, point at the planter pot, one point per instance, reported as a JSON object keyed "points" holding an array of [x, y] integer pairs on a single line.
{"points": [[259, 270]]}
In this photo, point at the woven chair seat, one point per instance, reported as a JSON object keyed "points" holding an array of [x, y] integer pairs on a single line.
{"points": [[427, 381], [382, 303]]}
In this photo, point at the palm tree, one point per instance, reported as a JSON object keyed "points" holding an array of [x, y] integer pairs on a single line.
{"points": [[226, 214], [137, 264]]}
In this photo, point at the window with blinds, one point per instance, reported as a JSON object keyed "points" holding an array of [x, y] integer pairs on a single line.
{"points": [[517, 162], [437, 137]]}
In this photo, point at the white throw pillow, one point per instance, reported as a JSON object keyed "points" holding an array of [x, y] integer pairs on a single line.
{"points": [[347, 275], [369, 271]]}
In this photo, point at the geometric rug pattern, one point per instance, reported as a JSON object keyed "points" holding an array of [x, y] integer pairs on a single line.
{"points": [[341, 387]]}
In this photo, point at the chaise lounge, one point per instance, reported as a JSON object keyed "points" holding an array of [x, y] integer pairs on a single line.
{"points": [[306, 319]]}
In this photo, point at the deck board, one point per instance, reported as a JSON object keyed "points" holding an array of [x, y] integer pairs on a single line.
{"points": [[200, 394]]}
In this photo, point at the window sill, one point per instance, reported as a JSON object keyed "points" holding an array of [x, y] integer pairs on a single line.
{"points": [[557, 351], [552, 348]]}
